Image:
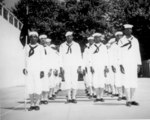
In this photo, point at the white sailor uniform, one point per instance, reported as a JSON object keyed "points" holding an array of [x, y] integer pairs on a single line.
{"points": [[71, 60], [57, 67], [131, 58], [34, 57], [110, 76], [116, 62], [88, 78], [98, 62], [48, 66], [53, 66]]}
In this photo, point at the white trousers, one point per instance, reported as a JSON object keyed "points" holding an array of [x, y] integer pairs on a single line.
{"points": [[71, 77], [33, 82], [98, 77], [130, 79], [88, 78], [45, 81]]}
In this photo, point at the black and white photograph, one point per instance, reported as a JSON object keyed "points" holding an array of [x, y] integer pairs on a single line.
{"points": [[74, 59]]}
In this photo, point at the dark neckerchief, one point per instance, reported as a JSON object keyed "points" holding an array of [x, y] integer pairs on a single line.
{"points": [[45, 50], [129, 43], [31, 51], [88, 46], [69, 50], [97, 48]]}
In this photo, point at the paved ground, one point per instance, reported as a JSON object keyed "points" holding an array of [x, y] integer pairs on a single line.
{"points": [[12, 106]]}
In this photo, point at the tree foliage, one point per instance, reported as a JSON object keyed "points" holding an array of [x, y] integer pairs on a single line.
{"points": [[85, 17], [2, 1], [138, 14]]}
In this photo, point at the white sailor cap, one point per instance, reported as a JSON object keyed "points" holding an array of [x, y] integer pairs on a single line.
{"points": [[128, 26], [118, 33], [112, 40], [42, 36], [34, 33], [53, 46], [68, 33], [97, 34], [48, 40], [102, 37], [90, 38]]}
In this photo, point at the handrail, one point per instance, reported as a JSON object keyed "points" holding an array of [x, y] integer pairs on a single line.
{"points": [[10, 17]]}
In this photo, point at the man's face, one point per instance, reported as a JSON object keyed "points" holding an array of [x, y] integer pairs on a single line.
{"points": [[43, 41], [91, 41], [97, 39], [33, 39], [118, 37], [69, 38], [128, 31], [48, 43], [103, 40]]}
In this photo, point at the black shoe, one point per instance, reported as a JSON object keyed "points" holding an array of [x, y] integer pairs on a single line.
{"points": [[86, 91], [37, 108], [119, 98], [113, 95], [116, 95], [54, 96], [59, 90], [94, 96], [105, 92], [128, 104], [96, 100], [45, 102], [41, 102], [124, 98], [134, 103], [90, 96], [74, 101], [51, 98], [31, 108], [110, 93], [68, 101], [101, 100], [87, 94]]}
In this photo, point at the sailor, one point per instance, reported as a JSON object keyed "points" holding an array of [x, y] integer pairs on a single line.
{"points": [[70, 53], [110, 83], [54, 65], [131, 62], [99, 65], [56, 70], [42, 39], [88, 76], [117, 65], [34, 70]]}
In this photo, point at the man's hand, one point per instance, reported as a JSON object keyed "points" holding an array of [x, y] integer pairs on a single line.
{"points": [[106, 69], [92, 70], [41, 74], [25, 72], [61, 70], [138, 69], [84, 72], [50, 73], [113, 69], [79, 70], [122, 69], [55, 72]]}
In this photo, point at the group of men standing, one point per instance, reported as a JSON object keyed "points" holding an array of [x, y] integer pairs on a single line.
{"points": [[107, 68]]}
